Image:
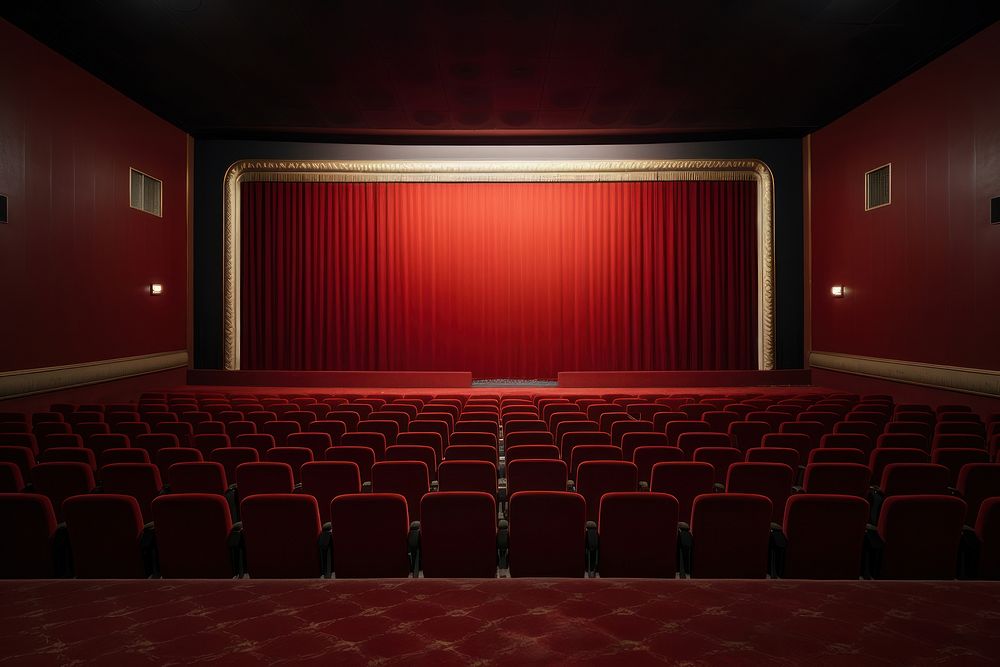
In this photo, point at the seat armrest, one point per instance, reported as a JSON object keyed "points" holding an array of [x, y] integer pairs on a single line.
{"points": [[968, 554], [684, 543], [236, 549], [570, 485], [366, 487], [503, 542], [798, 489], [435, 485], [61, 554], [644, 486], [325, 545], [147, 546], [592, 546], [719, 487], [413, 545], [872, 552], [777, 546]]}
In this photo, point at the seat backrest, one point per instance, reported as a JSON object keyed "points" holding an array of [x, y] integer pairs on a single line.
{"points": [[325, 480], [476, 438], [634, 439], [11, 480], [370, 535], [28, 525], [824, 535], [409, 479], [772, 480], [192, 533], [785, 455], [906, 440], [281, 533], [349, 418], [838, 455], [478, 476], [583, 453], [977, 482], [730, 534], [921, 535], [800, 442], [59, 481], [595, 478], [547, 534], [295, 457], [837, 478], [317, 443], [987, 527], [848, 441], [105, 530], [154, 442], [206, 443], [637, 535], [458, 534], [169, 456], [528, 438], [434, 441], [263, 477], [531, 452], [871, 429], [22, 457], [685, 481], [646, 456], [536, 475], [720, 459], [363, 457], [748, 434], [69, 454], [472, 453], [620, 428], [914, 479], [197, 477], [370, 439], [956, 458], [232, 457], [333, 428], [59, 440], [414, 453], [880, 458]]}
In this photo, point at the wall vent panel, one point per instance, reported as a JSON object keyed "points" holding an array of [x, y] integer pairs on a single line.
{"points": [[878, 187]]}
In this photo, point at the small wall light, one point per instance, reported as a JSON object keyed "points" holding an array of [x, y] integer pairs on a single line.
{"points": [[837, 291], [156, 289]]}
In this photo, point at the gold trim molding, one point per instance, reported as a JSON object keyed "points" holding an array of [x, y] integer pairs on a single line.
{"points": [[477, 171], [52, 378], [977, 381]]}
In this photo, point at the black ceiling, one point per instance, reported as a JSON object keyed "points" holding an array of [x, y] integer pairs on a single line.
{"points": [[413, 69]]}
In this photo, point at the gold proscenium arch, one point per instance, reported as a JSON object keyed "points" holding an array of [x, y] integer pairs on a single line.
{"points": [[473, 171]]}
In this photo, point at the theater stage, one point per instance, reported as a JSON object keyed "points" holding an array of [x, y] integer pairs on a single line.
{"points": [[502, 621]]}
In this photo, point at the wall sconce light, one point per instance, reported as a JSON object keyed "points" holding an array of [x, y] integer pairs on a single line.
{"points": [[156, 289], [837, 291]]}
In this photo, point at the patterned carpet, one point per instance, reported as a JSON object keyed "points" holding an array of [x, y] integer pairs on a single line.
{"points": [[521, 622]]}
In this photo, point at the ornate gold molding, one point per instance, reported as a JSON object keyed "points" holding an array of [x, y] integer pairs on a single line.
{"points": [[977, 381], [476, 171]]}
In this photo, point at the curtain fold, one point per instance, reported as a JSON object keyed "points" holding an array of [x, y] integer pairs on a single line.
{"points": [[518, 280]]}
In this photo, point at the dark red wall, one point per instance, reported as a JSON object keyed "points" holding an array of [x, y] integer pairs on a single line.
{"points": [[75, 260], [923, 274]]}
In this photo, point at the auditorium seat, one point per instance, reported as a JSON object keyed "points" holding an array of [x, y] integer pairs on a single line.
{"points": [[838, 455], [905, 440], [325, 480], [462, 438], [182, 430], [317, 443], [193, 533], [812, 430], [153, 442], [987, 532], [637, 535], [848, 441], [871, 429], [279, 429], [472, 453], [880, 458], [583, 453], [571, 433], [11, 479], [334, 429], [536, 475], [633, 440], [237, 428], [59, 481], [920, 537], [281, 535], [121, 455], [88, 429], [961, 427], [850, 479], [458, 534], [684, 480], [748, 434], [363, 457], [232, 457], [595, 478], [547, 534], [370, 536], [294, 457], [70, 455], [477, 426], [975, 483], [729, 536], [785, 455], [262, 443], [528, 438], [22, 457], [954, 459], [448, 418], [106, 534], [141, 481], [198, 477], [523, 425], [28, 524], [825, 417], [415, 453], [661, 419], [206, 443], [170, 455], [643, 411], [478, 476], [771, 480], [800, 442], [370, 439], [958, 440], [825, 535], [720, 458], [531, 452], [348, 418], [27, 440], [409, 479]]}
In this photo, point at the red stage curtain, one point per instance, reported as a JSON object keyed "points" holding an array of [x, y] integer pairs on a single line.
{"points": [[519, 280]]}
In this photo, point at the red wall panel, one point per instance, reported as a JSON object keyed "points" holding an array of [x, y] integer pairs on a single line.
{"points": [[75, 260], [923, 274]]}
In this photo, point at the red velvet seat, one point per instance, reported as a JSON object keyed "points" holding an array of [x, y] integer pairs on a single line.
{"points": [[414, 453], [685, 481], [69, 455], [922, 427], [536, 475], [153, 442], [122, 455], [784, 455], [575, 439], [472, 453], [325, 480], [662, 419], [478, 476], [522, 425], [920, 535], [183, 430], [583, 453], [871, 429], [458, 534], [637, 533], [105, 530], [348, 418], [646, 457], [192, 536], [59, 481], [825, 534], [438, 427], [838, 455], [914, 479], [19, 440], [363, 457], [730, 533], [771, 480], [633, 440], [170, 455], [547, 533], [812, 430], [43, 430], [28, 524], [720, 458], [409, 479], [317, 443], [958, 440], [281, 533], [800, 442], [232, 457], [880, 458], [334, 429], [370, 536], [987, 530], [609, 419], [264, 477], [528, 438], [477, 426], [280, 430], [11, 480], [198, 477], [141, 481], [434, 441], [955, 458], [237, 428], [595, 478], [22, 457], [850, 479], [620, 428], [475, 438], [961, 427], [975, 483], [206, 443], [905, 440], [370, 439], [748, 434]]}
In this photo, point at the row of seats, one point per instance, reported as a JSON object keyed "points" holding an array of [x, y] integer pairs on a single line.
{"points": [[730, 535]]}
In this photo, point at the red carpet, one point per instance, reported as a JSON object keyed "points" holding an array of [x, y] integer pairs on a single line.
{"points": [[632, 622]]}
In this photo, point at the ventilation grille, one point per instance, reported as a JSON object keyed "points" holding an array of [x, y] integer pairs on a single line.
{"points": [[878, 187], [3, 209], [145, 192]]}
